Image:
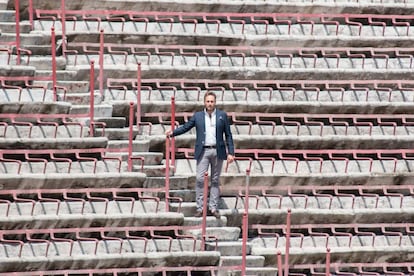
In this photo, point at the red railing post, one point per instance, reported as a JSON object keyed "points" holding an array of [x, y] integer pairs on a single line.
{"points": [[328, 262], [204, 221], [172, 129], [287, 242], [101, 61], [245, 223], [139, 98], [167, 173], [92, 99], [31, 14], [53, 49], [63, 22], [131, 135], [279, 264], [17, 18]]}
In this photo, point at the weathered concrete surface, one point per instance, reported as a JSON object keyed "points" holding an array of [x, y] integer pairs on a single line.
{"points": [[155, 259], [320, 216], [52, 143], [91, 220], [227, 6], [71, 181], [383, 254]]}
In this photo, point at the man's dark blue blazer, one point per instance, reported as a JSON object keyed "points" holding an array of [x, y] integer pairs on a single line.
{"points": [[222, 130]]}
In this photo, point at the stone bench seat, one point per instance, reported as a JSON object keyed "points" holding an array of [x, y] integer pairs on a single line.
{"points": [[48, 142], [173, 259], [251, 62], [219, 72], [63, 166], [26, 95], [353, 255], [250, 95], [77, 206], [227, 29], [71, 180], [99, 248], [302, 167], [92, 219], [319, 216]]}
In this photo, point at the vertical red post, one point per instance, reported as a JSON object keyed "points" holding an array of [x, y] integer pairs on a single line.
{"points": [[204, 222], [279, 264], [328, 262], [63, 22], [245, 223], [92, 99], [17, 17], [101, 61], [53, 50], [139, 98], [287, 242], [31, 14], [131, 135], [167, 173], [172, 129]]}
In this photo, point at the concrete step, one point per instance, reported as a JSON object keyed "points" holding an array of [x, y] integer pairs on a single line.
{"points": [[72, 87], [229, 248], [6, 15], [217, 233], [63, 75], [150, 158], [10, 27], [44, 63], [175, 182], [100, 111], [117, 133], [137, 145], [251, 261]]}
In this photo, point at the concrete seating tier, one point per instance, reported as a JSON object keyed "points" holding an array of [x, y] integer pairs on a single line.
{"points": [[75, 180], [240, 56], [261, 90], [306, 6]]}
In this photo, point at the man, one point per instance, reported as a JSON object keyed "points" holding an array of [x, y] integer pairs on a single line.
{"points": [[210, 149]]}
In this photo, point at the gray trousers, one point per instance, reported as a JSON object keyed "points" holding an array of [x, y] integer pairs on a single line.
{"points": [[208, 158]]}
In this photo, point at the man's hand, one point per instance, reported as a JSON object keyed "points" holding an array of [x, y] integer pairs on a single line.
{"points": [[230, 158], [168, 133]]}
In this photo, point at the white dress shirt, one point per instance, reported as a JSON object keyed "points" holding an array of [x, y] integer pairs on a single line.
{"points": [[210, 125]]}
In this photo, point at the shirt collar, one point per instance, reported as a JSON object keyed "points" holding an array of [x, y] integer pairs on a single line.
{"points": [[212, 113]]}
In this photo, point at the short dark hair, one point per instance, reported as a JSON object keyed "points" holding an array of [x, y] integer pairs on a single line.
{"points": [[209, 93]]}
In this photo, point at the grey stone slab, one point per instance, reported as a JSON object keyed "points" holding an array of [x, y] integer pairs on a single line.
{"points": [[92, 220], [368, 254], [75, 180], [84, 261]]}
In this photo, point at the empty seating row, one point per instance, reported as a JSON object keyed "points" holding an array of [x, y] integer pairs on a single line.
{"points": [[308, 161], [185, 89], [319, 197], [257, 123], [79, 53], [201, 23]]}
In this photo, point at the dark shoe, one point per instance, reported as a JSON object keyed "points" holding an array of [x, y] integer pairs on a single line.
{"points": [[198, 214], [216, 214]]}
